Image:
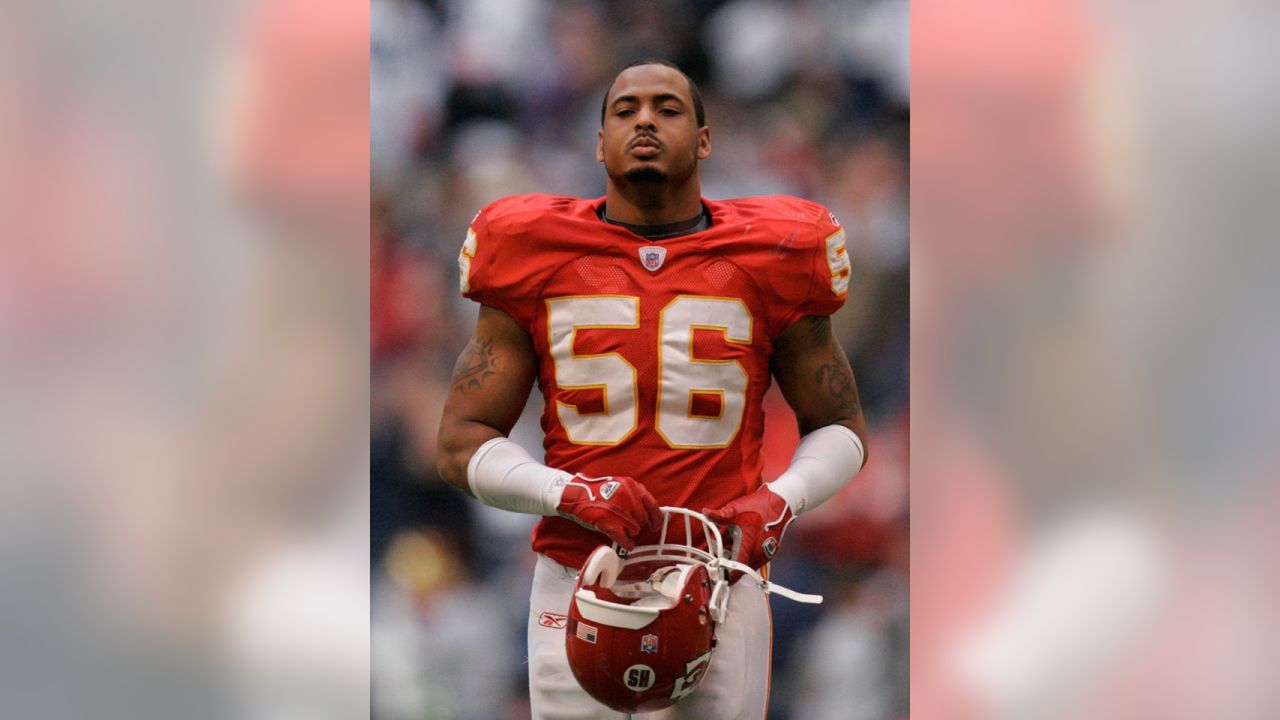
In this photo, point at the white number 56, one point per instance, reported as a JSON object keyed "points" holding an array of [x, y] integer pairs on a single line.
{"points": [[681, 376]]}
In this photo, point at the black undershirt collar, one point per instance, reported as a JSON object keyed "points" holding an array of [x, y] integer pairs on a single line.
{"points": [[698, 223]]}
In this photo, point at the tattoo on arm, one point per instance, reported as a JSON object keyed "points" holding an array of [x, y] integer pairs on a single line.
{"points": [[837, 379], [477, 362]]}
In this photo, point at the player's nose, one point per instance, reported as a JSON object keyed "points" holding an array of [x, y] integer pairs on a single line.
{"points": [[644, 117]]}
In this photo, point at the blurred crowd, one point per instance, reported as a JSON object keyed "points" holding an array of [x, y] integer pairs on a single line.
{"points": [[472, 101], [183, 204]]}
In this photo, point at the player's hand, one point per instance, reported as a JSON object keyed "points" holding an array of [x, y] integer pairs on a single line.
{"points": [[617, 506], [763, 516]]}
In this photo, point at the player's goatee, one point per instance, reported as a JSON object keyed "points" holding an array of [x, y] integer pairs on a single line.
{"points": [[645, 175]]}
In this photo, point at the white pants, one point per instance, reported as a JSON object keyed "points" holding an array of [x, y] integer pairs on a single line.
{"points": [[736, 686]]}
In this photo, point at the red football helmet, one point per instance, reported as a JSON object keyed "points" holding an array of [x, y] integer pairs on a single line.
{"points": [[642, 627]]}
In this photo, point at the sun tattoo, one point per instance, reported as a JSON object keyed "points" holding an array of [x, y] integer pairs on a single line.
{"points": [[476, 363]]}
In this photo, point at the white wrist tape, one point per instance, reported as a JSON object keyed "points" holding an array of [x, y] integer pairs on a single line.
{"points": [[503, 475], [825, 461]]}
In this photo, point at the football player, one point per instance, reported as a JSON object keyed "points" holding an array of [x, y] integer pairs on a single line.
{"points": [[653, 320]]}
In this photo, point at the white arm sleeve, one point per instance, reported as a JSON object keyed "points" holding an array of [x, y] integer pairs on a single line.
{"points": [[503, 475], [825, 461]]}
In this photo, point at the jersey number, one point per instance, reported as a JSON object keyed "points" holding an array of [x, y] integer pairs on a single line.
{"points": [[838, 262], [682, 378], [465, 256]]}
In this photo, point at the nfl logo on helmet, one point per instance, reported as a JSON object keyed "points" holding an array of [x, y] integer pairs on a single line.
{"points": [[652, 257], [649, 644]]}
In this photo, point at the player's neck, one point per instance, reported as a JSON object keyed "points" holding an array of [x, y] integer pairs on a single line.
{"points": [[652, 203]]}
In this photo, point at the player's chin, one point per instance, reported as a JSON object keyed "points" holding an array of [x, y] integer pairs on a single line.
{"points": [[645, 173]]}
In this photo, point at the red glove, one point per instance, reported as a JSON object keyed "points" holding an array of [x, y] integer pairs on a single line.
{"points": [[763, 516], [617, 506]]}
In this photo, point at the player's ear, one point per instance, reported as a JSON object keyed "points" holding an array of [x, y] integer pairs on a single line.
{"points": [[704, 143], [600, 145]]}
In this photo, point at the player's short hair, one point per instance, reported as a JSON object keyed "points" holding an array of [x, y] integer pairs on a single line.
{"points": [[699, 113]]}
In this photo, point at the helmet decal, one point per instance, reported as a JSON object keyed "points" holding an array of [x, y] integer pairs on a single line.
{"points": [[649, 643], [639, 677], [586, 632], [694, 671]]}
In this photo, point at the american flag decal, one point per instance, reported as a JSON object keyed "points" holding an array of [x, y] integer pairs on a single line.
{"points": [[586, 632]]}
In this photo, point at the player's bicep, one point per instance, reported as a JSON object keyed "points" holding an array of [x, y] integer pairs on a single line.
{"points": [[814, 375], [493, 374]]}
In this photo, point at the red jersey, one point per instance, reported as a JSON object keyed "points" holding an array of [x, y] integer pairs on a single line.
{"points": [[654, 355]]}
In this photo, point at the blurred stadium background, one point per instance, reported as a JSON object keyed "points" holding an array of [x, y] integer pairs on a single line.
{"points": [[476, 100]]}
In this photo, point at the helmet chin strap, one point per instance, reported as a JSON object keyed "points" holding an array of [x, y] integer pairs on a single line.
{"points": [[768, 587]]}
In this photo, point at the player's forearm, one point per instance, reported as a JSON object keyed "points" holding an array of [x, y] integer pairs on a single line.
{"points": [[826, 460], [488, 466], [858, 426], [855, 422], [458, 442]]}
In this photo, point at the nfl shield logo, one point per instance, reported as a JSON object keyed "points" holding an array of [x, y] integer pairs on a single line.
{"points": [[649, 644], [652, 257]]}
